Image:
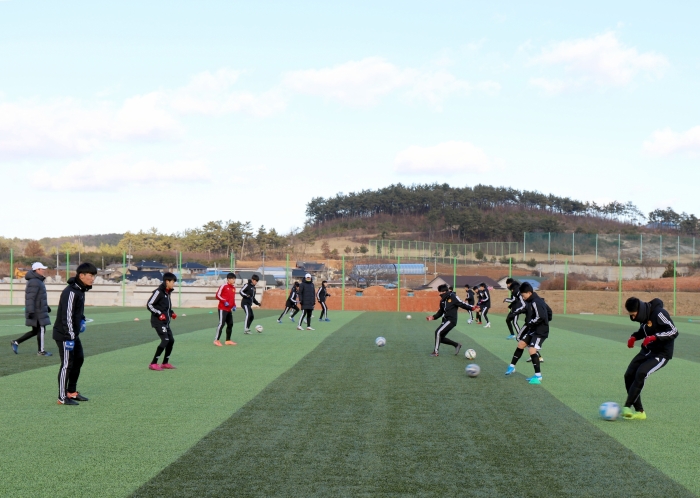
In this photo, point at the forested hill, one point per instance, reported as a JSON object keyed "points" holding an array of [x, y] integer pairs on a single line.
{"points": [[482, 212]]}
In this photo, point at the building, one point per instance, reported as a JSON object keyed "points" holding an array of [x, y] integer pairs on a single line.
{"points": [[150, 266], [193, 268]]}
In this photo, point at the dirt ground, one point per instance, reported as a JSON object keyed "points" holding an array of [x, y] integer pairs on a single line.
{"points": [[597, 302]]}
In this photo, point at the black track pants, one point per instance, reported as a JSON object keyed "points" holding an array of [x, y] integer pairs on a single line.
{"points": [[249, 316], [441, 335], [71, 362], [225, 318], [39, 333], [641, 367], [305, 314]]}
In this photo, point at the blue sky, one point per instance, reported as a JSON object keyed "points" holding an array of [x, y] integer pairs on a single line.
{"points": [[131, 115]]}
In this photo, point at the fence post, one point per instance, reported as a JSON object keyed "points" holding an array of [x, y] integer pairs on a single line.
{"points": [[67, 265], [619, 247], [510, 267], [596, 248], [573, 247], [12, 275], [678, 257], [286, 273], [524, 245], [123, 279], [641, 246], [566, 275], [549, 247], [454, 273], [674, 288], [179, 287], [661, 250], [619, 288], [398, 284], [342, 295]]}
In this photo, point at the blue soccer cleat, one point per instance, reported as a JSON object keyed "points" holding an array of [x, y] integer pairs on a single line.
{"points": [[292, 319], [512, 336], [279, 321], [510, 370], [15, 346], [535, 379], [327, 320]]}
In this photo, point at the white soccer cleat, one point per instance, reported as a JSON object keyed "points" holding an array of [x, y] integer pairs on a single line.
{"points": [[300, 328], [309, 328], [487, 326], [469, 321]]}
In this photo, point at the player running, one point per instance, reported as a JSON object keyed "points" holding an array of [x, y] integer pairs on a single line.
{"points": [[484, 303], [657, 333], [449, 306], [248, 295], [292, 303], [161, 308], [470, 302], [321, 296], [227, 305], [516, 304], [533, 333]]}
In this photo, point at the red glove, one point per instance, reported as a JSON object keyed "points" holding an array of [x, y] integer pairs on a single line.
{"points": [[476, 308], [648, 340], [630, 342], [162, 317], [173, 316]]}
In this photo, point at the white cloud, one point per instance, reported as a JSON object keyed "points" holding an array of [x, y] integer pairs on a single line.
{"points": [[600, 61], [364, 82], [666, 142], [447, 158], [212, 94], [119, 173], [67, 126]]}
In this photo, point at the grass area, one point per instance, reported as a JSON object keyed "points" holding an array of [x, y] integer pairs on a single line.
{"points": [[137, 421], [354, 420], [327, 413]]}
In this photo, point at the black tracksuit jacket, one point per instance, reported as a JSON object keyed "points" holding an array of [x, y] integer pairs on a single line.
{"points": [[470, 296], [159, 304], [322, 295], [484, 298], [248, 294], [292, 298], [537, 318], [449, 306], [657, 323], [517, 303], [71, 309]]}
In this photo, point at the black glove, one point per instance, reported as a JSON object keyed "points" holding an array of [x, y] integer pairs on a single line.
{"points": [[31, 316], [48, 309]]}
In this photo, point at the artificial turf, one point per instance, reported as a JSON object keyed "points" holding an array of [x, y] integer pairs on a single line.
{"points": [[290, 413]]}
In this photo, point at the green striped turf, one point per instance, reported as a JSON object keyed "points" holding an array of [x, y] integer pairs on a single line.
{"points": [[351, 419], [112, 329], [137, 421], [583, 369]]}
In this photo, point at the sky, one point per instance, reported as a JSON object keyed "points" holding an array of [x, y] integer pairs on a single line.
{"points": [[119, 116]]}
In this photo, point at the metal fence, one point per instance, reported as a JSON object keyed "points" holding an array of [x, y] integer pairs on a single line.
{"points": [[550, 247]]}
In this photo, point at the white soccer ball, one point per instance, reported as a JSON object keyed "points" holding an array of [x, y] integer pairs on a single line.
{"points": [[380, 341], [470, 354], [259, 328], [408, 317], [609, 410], [473, 370], [136, 319]]}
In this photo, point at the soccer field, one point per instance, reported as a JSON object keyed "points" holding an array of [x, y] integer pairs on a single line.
{"points": [[327, 413]]}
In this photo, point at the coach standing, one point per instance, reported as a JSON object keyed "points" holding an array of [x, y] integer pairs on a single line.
{"points": [[36, 309], [70, 322]]}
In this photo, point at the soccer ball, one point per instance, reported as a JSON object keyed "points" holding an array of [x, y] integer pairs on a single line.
{"points": [[609, 410], [408, 317], [473, 370], [259, 328], [470, 354], [380, 341]]}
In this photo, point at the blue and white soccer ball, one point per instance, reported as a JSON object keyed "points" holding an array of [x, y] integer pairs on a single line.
{"points": [[473, 370], [609, 410], [380, 341]]}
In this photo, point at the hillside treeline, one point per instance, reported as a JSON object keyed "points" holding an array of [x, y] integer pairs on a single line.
{"points": [[485, 211]]}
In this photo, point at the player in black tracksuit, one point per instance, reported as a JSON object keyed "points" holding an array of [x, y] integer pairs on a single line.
{"points": [[470, 302], [484, 303], [516, 305], [70, 322], [248, 295], [160, 306], [307, 299], [475, 289], [449, 306], [321, 296], [657, 333], [291, 303], [533, 333]]}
